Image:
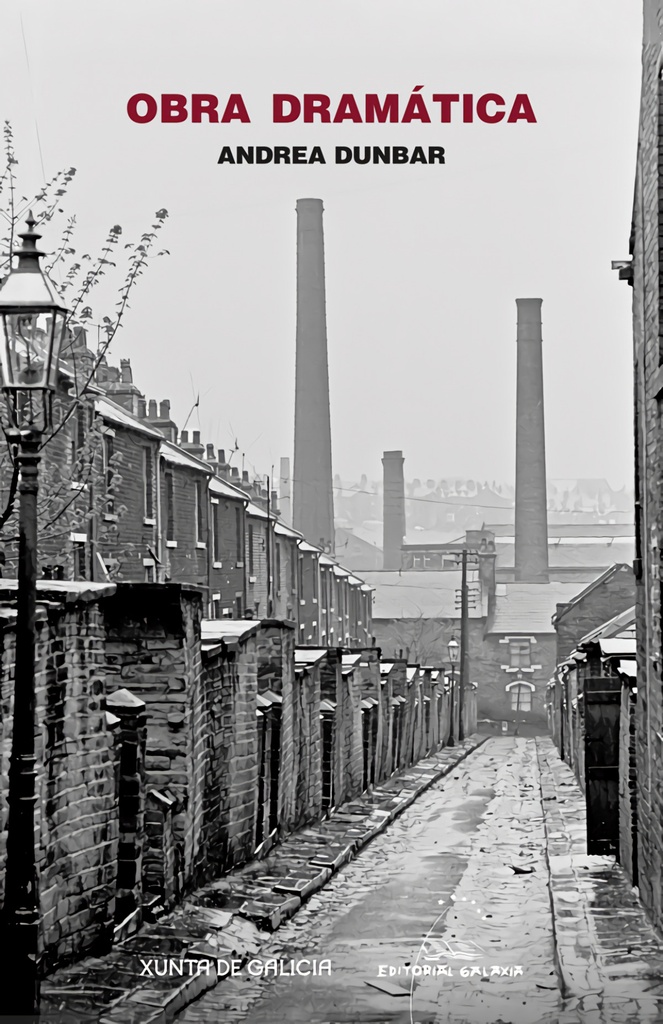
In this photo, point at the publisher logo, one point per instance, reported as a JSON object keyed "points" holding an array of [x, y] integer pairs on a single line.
{"points": [[443, 949]]}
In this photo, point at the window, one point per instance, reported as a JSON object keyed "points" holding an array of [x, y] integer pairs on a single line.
{"points": [[521, 697], [109, 473], [294, 560], [216, 537], [300, 576], [239, 549], [200, 515], [79, 551], [148, 482], [238, 606], [250, 551], [79, 430], [519, 654], [277, 566], [170, 505]]}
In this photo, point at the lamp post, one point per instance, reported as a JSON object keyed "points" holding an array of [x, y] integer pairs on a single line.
{"points": [[32, 326], [453, 647]]}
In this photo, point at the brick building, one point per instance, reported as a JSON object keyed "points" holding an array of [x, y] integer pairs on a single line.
{"points": [[643, 272]]}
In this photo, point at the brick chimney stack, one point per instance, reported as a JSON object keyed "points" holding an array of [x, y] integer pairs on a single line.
{"points": [[313, 503], [284, 490], [160, 419], [531, 530], [393, 509]]}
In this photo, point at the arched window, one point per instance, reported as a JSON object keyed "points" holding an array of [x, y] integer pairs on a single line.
{"points": [[521, 695]]}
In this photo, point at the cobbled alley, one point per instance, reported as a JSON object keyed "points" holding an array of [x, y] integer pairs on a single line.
{"points": [[478, 904]]}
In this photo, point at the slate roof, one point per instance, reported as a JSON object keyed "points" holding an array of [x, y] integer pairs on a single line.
{"points": [[117, 414], [622, 625], [414, 595], [222, 487], [178, 457], [529, 607], [581, 552], [621, 567]]}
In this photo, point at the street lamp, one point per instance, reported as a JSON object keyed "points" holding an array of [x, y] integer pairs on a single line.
{"points": [[32, 326], [453, 647]]}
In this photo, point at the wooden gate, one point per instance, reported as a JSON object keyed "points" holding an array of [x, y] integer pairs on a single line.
{"points": [[602, 700]]}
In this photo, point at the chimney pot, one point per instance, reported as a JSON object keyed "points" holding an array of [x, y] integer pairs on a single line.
{"points": [[184, 437], [245, 476], [234, 472], [153, 409], [196, 437], [164, 410], [210, 453], [142, 408], [125, 371]]}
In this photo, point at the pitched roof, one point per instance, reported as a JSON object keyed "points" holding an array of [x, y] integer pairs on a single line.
{"points": [[177, 456], [416, 595], [529, 607], [603, 578], [618, 626], [226, 490], [122, 417]]}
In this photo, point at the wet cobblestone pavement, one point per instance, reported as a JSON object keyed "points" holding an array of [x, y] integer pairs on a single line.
{"points": [[477, 905]]}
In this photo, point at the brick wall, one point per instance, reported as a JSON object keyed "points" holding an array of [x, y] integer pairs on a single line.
{"points": [[231, 685], [603, 602], [628, 804], [122, 532], [647, 328], [187, 561], [256, 564], [227, 563]]}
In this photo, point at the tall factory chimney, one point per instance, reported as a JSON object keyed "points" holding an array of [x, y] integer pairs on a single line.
{"points": [[284, 491], [531, 533], [393, 509], [312, 496]]}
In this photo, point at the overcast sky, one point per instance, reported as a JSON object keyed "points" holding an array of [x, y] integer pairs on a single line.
{"points": [[424, 263]]}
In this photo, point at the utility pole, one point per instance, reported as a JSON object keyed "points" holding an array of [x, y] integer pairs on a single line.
{"points": [[464, 630], [269, 550]]}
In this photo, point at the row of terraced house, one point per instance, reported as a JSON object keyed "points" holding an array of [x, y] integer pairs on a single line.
{"points": [[207, 681]]}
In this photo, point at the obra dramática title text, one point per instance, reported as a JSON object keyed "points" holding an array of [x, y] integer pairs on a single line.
{"points": [[318, 108]]}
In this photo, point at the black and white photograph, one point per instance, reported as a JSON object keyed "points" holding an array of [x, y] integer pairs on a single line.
{"points": [[331, 517]]}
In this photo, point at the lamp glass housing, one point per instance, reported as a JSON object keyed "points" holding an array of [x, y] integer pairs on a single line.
{"points": [[453, 648], [32, 327]]}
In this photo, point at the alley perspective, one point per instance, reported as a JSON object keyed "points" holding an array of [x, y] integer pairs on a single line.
{"points": [[495, 914], [303, 743]]}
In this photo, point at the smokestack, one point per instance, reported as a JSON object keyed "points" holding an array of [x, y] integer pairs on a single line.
{"points": [[284, 491], [531, 533], [393, 505], [313, 503]]}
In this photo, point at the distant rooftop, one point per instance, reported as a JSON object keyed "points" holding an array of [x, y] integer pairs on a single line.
{"points": [[416, 595], [529, 607]]}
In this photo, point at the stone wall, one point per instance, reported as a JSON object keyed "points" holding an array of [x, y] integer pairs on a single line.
{"points": [[153, 648], [149, 746], [77, 750], [231, 685]]}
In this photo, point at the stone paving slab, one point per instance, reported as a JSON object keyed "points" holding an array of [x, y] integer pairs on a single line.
{"points": [[229, 919], [609, 957]]}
